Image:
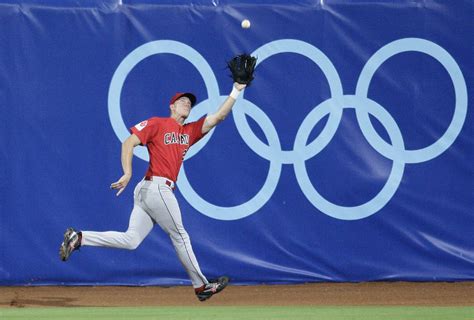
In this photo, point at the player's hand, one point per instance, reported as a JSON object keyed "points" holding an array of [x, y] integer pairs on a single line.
{"points": [[239, 86], [121, 184]]}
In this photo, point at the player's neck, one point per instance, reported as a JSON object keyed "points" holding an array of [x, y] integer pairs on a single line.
{"points": [[179, 119]]}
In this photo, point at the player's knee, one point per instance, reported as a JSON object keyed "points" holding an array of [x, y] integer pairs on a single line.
{"points": [[180, 236], [133, 241], [177, 230], [133, 244]]}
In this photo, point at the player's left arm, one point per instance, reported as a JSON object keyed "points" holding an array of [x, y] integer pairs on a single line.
{"points": [[214, 119]]}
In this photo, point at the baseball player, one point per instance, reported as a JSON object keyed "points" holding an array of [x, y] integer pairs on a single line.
{"points": [[167, 141]]}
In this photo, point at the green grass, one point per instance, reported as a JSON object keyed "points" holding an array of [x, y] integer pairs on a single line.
{"points": [[241, 313]]}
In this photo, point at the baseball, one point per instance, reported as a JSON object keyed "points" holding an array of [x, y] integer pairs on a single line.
{"points": [[245, 24]]}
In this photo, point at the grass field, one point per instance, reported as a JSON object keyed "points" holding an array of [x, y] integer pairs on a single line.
{"points": [[254, 312]]}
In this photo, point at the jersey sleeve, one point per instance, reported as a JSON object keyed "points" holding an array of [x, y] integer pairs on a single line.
{"points": [[145, 130], [196, 131]]}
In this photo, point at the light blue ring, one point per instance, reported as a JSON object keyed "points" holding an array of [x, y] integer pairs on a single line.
{"points": [[258, 201], [460, 111], [136, 56], [273, 152], [393, 181]]}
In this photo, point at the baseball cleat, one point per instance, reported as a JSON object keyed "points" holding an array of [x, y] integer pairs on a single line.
{"points": [[72, 241], [208, 290]]}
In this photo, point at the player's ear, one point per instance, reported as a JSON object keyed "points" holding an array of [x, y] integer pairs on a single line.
{"points": [[172, 107]]}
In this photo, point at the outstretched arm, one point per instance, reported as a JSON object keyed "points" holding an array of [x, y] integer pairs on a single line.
{"points": [[213, 119], [127, 156]]}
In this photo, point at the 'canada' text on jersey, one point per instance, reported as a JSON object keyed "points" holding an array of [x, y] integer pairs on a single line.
{"points": [[175, 138]]}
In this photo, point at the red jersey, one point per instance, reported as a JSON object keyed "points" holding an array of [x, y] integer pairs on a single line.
{"points": [[167, 142]]}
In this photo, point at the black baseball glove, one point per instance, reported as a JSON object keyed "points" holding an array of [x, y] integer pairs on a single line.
{"points": [[242, 68]]}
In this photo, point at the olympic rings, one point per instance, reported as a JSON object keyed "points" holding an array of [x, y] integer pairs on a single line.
{"points": [[302, 150]]}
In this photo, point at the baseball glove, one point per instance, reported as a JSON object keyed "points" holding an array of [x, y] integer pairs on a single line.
{"points": [[242, 68]]}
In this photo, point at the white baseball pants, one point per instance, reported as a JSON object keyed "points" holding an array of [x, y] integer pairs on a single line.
{"points": [[154, 202]]}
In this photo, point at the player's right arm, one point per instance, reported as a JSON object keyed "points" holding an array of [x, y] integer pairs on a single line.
{"points": [[127, 156]]}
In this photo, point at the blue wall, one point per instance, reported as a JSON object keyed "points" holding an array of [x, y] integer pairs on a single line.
{"points": [[350, 158]]}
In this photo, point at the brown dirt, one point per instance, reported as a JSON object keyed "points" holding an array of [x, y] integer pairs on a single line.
{"points": [[316, 294]]}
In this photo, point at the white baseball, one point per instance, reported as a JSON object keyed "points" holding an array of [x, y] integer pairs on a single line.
{"points": [[245, 24]]}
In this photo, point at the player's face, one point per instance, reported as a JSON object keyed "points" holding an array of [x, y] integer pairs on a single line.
{"points": [[182, 107]]}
